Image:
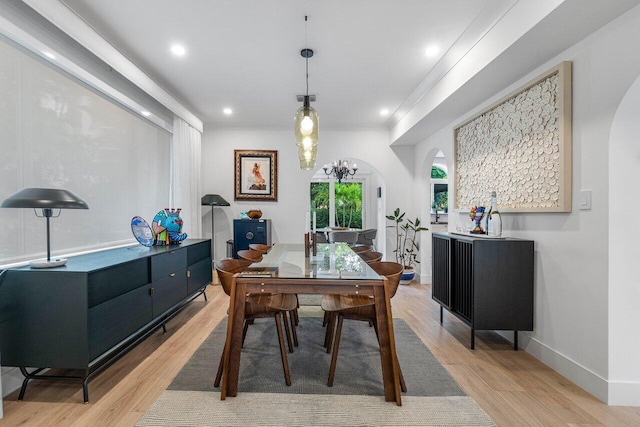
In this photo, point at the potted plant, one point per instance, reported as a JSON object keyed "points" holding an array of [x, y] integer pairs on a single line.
{"points": [[406, 250]]}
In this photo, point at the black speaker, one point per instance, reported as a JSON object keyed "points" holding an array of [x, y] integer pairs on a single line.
{"points": [[379, 192]]}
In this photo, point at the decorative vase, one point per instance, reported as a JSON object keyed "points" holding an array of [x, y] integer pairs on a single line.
{"points": [[407, 275]]}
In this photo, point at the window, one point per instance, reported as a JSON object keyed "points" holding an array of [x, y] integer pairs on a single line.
{"points": [[341, 207], [58, 133]]}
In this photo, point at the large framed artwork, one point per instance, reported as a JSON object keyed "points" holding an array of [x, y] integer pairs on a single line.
{"points": [[256, 175], [519, 147]]}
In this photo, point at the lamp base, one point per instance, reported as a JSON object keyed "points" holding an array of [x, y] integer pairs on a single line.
{"points": [[43, 263]]}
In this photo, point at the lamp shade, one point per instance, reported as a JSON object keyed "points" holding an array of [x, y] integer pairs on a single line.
{"points": [[213, 200], [52, 198], [306, 134]]}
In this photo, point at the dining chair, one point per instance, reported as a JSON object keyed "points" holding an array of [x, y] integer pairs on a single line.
{"points": [[255, 255], [321, 237], [359, 307], [349, 237], [250, 255], [257, 306], [361, 248], [366, 237], [263, 249], [371, 256]]}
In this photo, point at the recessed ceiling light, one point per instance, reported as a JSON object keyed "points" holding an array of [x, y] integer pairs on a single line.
{"points": [[145, 113], [228, 111], [384, 112], [49, 55], [178, 50], [432, 50]]}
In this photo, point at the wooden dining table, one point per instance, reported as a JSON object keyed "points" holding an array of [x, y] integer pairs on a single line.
{"points": [[335, 270]]}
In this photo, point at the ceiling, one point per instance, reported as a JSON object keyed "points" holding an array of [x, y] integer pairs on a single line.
{"points": [[369, 54]]}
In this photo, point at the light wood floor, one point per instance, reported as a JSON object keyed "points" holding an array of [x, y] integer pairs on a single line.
{"points": [[512, 387]]}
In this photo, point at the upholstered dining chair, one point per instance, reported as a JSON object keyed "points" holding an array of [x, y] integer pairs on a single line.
{"points": [[371, 256], [250, 255], [257, 306], [349, 237], [359, 307], [366, 237], [263, 249]]}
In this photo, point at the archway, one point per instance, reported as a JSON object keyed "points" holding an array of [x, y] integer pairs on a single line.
{"points": [[373, 200], [624, 205], [429, 213]]}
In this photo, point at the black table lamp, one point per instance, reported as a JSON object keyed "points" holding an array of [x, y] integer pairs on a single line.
{"points": [[213, 200], [46, 199]]}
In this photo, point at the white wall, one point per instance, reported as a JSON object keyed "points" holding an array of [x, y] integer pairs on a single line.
{"points": [[571, 319], [287, 214], [624, 292]]}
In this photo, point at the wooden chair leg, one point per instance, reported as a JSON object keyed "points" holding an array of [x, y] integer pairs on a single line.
{"points": [[287, 330], [325, 319], [293, 327], [403, 386], [216, 383], [334, 356], [244, 330], [331, 326], [283, 351]]}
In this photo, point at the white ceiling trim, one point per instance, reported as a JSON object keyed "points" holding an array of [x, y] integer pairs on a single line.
{"points": [[26, 40], [65, 19], [516, 22]]}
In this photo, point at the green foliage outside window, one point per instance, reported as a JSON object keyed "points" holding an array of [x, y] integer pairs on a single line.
{"points": [[438, 173], [348, 204]]}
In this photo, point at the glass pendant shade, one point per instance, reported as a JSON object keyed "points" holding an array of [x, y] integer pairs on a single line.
{"points": [[306, 133]]}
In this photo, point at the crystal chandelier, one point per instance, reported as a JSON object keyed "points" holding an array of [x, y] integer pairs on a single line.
{"points": [[341, 169], [306, 122]]}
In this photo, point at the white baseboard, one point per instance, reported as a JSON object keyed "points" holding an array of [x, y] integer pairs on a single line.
{"points": [[11, 380], [623, 393], [583, 377]]}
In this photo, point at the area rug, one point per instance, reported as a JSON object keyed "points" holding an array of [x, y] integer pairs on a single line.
{"points": [[356, 398]]}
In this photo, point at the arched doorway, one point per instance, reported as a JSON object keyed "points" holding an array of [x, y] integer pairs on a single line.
{"points": [[370, 188], [434, 210]]}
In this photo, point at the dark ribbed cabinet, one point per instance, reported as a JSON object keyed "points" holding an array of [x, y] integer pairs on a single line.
{"points": [[486, 283], [90, 311]]}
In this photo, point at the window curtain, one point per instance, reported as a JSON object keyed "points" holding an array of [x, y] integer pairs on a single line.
{"points": [[185, 190]]}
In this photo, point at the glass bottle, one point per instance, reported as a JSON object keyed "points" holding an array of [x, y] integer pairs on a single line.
{"points": [[494, 219]]}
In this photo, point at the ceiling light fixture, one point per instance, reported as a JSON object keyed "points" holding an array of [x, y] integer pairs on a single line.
{"points": [[341, 169], [384, 112], [227, 111], [306, 119], [145, 113], [432, 50], [178, 50]]}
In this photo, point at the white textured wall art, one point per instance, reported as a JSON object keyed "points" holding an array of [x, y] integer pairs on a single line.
{"points": [[520, 147]]}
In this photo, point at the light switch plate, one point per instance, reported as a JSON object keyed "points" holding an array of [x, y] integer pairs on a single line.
{"points": [[585, 200]]}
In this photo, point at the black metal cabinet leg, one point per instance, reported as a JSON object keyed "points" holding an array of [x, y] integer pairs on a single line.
{"points": [[85, 389], [441, 315], [473, 339], [515, 340]]}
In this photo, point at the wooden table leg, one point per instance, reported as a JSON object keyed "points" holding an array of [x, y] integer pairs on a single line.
{"points": [[388, 357], [233, 345]]}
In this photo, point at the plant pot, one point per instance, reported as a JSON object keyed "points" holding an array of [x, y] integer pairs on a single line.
{"points": [[407, 275]]}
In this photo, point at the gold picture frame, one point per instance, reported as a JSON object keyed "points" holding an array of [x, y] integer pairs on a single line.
{"points": [[256, 175]]}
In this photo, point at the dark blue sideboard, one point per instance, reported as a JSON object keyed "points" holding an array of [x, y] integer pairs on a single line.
{"points": [[87, 313]]}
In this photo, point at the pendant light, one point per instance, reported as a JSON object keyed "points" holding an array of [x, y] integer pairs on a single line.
{"points": [[306, 121]]}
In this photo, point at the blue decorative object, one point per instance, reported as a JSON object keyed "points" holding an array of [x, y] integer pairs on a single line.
{"points": [[167, 227], [142, 231]]}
